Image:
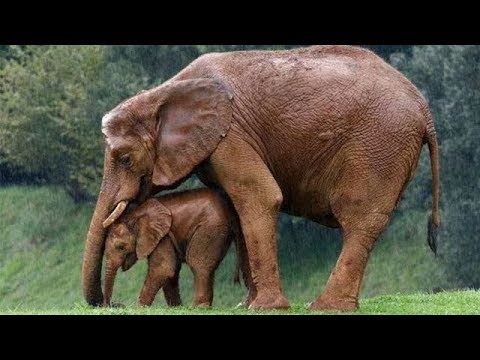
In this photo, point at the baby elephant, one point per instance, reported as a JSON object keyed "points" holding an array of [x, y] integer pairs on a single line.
{"points": [[195, 227]]}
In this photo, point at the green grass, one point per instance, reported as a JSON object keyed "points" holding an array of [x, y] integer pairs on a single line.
{"points": [[42, 248], [446, 303]]}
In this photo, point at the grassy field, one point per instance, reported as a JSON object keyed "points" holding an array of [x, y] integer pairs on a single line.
{"points": [[41, 251], [446, 303]]}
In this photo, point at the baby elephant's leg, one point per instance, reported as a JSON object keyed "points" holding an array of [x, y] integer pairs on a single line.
{"points": [[162, 265], [203, 288], [172, 291], [154, 281], [207, 249]]}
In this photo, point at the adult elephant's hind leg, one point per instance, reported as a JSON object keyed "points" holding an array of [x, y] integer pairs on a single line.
{"points": [[343, 287], [257, 199]]}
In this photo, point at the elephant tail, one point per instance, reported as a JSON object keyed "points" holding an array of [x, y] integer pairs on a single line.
{"points": [[434, 219]]}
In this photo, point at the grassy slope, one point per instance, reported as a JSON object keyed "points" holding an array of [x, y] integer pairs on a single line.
{"points": [[42, 247]]}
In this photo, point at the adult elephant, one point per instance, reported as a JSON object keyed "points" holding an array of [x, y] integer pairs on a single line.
{"points": [[330, 133]]}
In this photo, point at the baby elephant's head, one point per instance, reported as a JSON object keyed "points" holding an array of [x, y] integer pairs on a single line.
{"points": [[134, 238], [120, 247]]}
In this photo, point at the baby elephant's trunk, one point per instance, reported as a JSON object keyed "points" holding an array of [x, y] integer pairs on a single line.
{"points": [[110, 274]]}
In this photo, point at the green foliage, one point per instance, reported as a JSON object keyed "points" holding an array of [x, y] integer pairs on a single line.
{"points": [[386, 50], [159, 63], [449, 77], [163, 61], [52, 99]]}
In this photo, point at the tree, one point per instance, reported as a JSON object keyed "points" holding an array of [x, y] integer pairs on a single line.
{"points": [[52, 98], [449, 76]]}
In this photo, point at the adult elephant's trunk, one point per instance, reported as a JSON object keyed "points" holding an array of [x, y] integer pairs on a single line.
{"points": [[110, 274], [93, 255]]}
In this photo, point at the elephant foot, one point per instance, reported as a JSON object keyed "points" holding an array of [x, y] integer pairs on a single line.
{"points": [[203, 305], [144, 303], [96, 299], [324, 303], [174, 303], [269, 301]]}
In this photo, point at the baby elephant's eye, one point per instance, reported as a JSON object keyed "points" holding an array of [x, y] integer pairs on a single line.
{"points": [[125, 161], [120, 247]]}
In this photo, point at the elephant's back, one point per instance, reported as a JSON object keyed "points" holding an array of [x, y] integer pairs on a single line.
{"points": [[257, 56], [199, 204], [307, 96], [239, 67], [304, 109], [319, 81]]}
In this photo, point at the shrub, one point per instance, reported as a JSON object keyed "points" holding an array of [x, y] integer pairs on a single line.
{"points": [[51, 102], [449, 76]]}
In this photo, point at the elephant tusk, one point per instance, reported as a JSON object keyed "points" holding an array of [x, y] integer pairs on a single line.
{"points": [[121, 206]]}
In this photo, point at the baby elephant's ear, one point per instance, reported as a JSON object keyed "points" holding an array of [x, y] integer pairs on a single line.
{"points": [[153, 225]]}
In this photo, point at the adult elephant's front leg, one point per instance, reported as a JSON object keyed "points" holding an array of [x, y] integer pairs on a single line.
{"points": [[238, 168]]}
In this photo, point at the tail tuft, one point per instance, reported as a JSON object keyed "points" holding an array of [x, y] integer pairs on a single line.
{"points": [[432, 235]]}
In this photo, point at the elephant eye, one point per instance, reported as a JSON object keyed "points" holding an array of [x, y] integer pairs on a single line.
{"points": [[125, 161], [120, 247]]}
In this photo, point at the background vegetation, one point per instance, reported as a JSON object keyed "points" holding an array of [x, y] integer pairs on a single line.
{"points": [[52, 99]]}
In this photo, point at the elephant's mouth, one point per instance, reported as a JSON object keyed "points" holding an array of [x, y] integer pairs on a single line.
{"points": [[116, 213], [144, 189], [121, 206], [130, 260]]}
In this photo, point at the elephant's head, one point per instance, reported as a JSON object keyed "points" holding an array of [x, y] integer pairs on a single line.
{"points": [[134, 238], [152, 140]]}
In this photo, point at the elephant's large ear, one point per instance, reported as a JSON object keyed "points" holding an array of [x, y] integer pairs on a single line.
{"points": [[195, 116], [153, 223]]}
